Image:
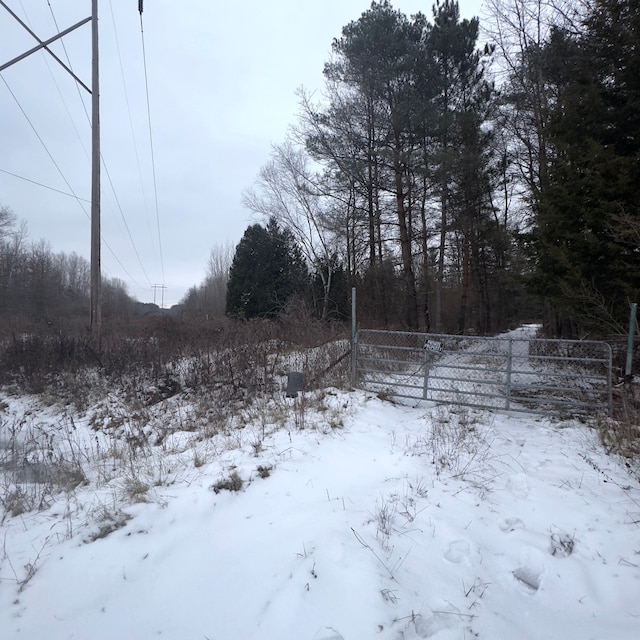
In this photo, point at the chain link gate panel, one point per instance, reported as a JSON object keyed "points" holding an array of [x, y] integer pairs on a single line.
{"points": [[506, 372]]}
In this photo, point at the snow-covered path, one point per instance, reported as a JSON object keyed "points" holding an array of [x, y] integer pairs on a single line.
{"points": [[407, 522]]}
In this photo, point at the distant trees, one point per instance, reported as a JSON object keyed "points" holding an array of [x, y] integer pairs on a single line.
{"points": [[288, 191], [210, 297], [267, 271], [7, 218], [39, 287]]}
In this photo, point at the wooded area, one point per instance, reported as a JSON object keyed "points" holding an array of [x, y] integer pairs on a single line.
{"points": [[465, 187], [459, 186], [41, 288]]}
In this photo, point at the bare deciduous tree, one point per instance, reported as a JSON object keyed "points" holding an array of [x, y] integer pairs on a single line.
{"points": [[287, 189], [209, 298], [7, 219]]}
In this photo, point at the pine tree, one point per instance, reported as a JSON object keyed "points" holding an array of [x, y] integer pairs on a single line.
{"points": [[586, 263], [267, 270], [377, 58]]}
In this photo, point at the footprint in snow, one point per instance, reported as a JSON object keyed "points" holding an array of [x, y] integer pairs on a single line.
{"points": [[511, 524], [428, 626], [458, 551], [527, 577]]}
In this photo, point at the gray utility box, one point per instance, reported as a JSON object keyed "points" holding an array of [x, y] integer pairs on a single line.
{"points": [[295, 383]]}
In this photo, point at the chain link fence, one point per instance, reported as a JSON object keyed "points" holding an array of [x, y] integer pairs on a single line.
{"points": [[513, 372]]}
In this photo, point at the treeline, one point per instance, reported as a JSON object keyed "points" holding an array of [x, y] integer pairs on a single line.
{"points": [[583, 247], [40, 288], [397, 176], [266, 275], [462, 187], [458, 186]]}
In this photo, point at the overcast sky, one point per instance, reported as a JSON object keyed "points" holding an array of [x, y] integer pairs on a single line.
{"points": [[222, 78]]}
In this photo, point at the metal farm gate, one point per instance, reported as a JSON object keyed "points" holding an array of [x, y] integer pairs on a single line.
{"points": [[512, 372]]}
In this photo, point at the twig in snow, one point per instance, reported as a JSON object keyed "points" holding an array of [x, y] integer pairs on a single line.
{"points": [[377, 557], [626, 563]]}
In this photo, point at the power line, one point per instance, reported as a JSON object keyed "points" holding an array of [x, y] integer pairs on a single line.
{"points": [[72, 194], [39, 137], [124, 220], [44, 186], [153, 163], [155, 287], [131, 127], [104, 164], [55, 164]]}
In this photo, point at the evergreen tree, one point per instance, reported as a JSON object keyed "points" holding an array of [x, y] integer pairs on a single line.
{"points": [[377, 57], [267, 270], [461, 161], [586, 265]]}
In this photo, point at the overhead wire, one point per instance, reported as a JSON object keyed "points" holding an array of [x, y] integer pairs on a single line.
{"points": [[135, 146], [153, 163], [55, 164], [44, 186], [104, 164], [70, 188], [42, 142], [64, 48], [73, 194]]}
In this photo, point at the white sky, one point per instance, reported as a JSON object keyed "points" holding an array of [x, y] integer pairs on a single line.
{"points": [[222, 81]]}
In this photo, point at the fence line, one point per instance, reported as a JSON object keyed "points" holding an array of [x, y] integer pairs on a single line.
{"points": [[507, 372]]}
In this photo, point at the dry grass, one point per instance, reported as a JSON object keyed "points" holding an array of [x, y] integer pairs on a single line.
{"points": [[620, 434], [160, 402], [232, 483]]}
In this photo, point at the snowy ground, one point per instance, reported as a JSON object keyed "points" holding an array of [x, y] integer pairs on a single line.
{"points": [[356, 520]]}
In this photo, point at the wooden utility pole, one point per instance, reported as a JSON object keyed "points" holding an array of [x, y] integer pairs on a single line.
{"points": [[96, 279], [96, 282]]}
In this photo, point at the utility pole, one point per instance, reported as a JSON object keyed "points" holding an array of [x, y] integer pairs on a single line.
{"points": [[96, 282], [155, 287], [96, 279]]}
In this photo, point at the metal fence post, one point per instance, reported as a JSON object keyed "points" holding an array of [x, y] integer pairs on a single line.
{"points": [[425, 386], [509, 367], [354, 339], [609, 380]]}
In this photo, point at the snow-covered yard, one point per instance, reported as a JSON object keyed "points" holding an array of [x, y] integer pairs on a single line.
{"points": [[355, 519]]}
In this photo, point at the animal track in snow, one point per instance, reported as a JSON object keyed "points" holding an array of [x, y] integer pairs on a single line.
{"points": [[446, 618], [511, 524], [458, 551], [527, 577]]}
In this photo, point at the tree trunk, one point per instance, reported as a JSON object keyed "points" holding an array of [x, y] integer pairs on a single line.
{"points": [[411, 298]]}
